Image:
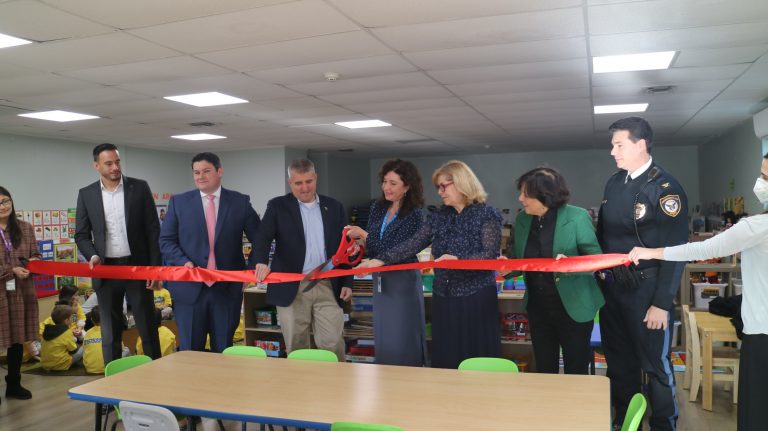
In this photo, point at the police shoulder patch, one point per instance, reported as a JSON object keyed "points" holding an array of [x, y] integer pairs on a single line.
{"points": [[670, 204]]}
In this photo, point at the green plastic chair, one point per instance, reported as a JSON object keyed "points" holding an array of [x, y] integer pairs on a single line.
{"points": [[488, 364], [359, 426], [635, 412], [313, 355], [257, 352], [118, 366]]}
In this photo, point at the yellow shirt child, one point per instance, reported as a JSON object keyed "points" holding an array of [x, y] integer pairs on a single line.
{"points": [[162, 298], [93, 355], [167, 342], [59, 351]]}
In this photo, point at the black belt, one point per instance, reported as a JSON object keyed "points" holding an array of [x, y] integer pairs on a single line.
{"points": [[117, 260]]}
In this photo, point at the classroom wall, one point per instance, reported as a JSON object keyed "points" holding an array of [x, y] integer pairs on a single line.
{"points": [[729, 166], [586, 172], [342, 178], [45, 173], [257, 173]]}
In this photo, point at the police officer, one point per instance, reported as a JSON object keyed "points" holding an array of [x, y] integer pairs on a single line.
{"points": [[642, 204]]}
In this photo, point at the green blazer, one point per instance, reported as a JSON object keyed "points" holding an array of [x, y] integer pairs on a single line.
{"points": [[574, 236]]}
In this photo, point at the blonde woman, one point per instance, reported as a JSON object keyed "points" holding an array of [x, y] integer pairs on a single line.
{"points": [[464, 304]]}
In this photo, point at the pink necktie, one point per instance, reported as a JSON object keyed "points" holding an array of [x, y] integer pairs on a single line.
{"points": [[210, 223]]}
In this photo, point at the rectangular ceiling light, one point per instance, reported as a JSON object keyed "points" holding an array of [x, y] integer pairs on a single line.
{"points": [[9, 41], [362, 124], [632, 62], [615, 109], [213, 98], [60, 116], [198, 137]]}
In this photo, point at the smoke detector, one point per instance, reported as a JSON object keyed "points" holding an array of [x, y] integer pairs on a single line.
{"points": [[331, 76]]}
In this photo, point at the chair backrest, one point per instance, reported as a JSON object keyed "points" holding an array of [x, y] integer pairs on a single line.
{"points": [[693, 343], [313, 355], [359, 426], [146, 417], [488, 364], [245, 351], [122, 364], [635, 412]]}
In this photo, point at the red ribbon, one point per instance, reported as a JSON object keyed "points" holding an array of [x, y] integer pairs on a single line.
{"points": [[588, 263]]}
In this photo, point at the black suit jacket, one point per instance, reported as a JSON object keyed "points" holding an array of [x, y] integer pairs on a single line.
{"points": [[141, 223], [282, 222]]}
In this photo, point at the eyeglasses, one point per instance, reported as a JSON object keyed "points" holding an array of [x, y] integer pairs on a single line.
{"points": [[5, 203], [441, 187]]}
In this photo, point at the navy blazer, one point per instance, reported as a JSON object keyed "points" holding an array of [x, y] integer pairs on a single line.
{"points": [[282, 223], [184, 237]]}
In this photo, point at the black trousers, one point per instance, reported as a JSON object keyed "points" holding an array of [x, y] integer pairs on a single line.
{"points": [[15, 354], [753, 383], [552, 328], [631, 347], [110, 295]]}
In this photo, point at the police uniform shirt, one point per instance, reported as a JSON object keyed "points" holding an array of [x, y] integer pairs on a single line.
{"points": [[656, 202]]}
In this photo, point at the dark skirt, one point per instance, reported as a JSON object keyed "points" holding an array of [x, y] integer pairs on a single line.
{"points": [[465, 327], [398, 318]]}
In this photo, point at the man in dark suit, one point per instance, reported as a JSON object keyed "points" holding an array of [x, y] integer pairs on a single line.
{"points": [[307, 230], [204, 228], [117, 225]]}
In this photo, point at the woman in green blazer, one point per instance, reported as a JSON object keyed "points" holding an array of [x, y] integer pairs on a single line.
{"points": [[561, 306]]}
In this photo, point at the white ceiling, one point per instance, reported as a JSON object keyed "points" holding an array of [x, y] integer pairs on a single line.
{"points": [[452, 76]]}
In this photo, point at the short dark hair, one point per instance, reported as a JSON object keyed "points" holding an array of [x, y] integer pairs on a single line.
{"points": [[61, 313], [765, 156], [409, 175], [67, 292], [95, 316], [101, 148], [638, 129], [546, 185], [207, 157]]}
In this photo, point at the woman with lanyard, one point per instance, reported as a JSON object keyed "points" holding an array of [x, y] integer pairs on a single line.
{"points": [[19, 315], [398, 301]]}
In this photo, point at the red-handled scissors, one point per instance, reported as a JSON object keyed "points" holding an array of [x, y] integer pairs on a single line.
{"points": [[343, 256]]}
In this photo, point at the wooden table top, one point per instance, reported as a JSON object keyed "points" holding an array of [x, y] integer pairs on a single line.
{"points": [[712, 323], [314, 394]]}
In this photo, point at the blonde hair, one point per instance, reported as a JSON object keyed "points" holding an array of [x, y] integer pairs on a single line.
{"points": [[464, 180]]}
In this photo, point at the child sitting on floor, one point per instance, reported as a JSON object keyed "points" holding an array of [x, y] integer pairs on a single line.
{"points": [[59, 350], [93, 355], [167, 337]]}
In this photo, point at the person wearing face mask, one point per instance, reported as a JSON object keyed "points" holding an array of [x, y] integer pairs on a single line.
{"points": [[465, 311], [749, 237], [398, 301]]}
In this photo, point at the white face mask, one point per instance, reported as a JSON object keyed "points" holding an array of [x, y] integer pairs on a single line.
{"points": [[761, 190]]}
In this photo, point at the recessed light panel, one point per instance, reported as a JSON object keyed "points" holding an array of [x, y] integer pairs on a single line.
{"points": [[362, 124], [632, 62], [198, 137], [615, 109], [213, 98], [7, 41], [60, 116]]}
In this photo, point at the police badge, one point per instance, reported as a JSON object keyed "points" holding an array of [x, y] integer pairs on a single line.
{"points": [[640, 210], [670, 205]]}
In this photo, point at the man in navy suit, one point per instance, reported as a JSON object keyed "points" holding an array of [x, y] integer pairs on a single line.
{"points": [[307, 229], [204, 228]]}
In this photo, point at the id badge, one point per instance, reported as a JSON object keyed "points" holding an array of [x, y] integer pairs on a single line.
{"points": [[10, 285]]}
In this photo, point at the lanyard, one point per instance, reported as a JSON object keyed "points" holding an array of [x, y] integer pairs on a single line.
{"points": [[8, 246], [386, 223]]}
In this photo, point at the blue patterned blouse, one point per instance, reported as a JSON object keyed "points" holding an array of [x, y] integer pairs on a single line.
{"points": [[475, 233], [398, 231]]}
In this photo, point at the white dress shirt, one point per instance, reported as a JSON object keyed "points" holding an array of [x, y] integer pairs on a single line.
{"points": [[114, 219], [216, 200], [639, 171]]}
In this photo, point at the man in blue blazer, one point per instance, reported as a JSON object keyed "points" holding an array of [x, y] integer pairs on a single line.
{"points": [[306, 228], [204, 228]]}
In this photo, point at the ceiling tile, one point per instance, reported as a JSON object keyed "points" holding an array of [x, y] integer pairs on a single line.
{"points": [[347, 69], [511, 71], [320, 49], [559, 23], [259, 26], [669, 76], [84, 97], [38, 84], [35, 21], [374, 13], [393, 95], [233, 84], [534, 96], [520, 85], [134, 13], [371, 108], [719, 56], [371, 83], [521, 52], [154, 70]]}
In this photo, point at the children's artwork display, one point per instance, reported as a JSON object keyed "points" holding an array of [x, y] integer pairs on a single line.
{"points": [[54, 231]]}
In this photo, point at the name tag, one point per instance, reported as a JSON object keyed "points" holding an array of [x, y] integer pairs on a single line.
{"points": [[10, 285]]}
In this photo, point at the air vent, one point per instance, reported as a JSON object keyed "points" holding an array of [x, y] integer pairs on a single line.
{"points": [[346, 150], [659, 89], [202, 124], [416, 141]]}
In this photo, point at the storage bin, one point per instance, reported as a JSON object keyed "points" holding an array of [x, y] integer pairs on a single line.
{"points": [[704, 292]]}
